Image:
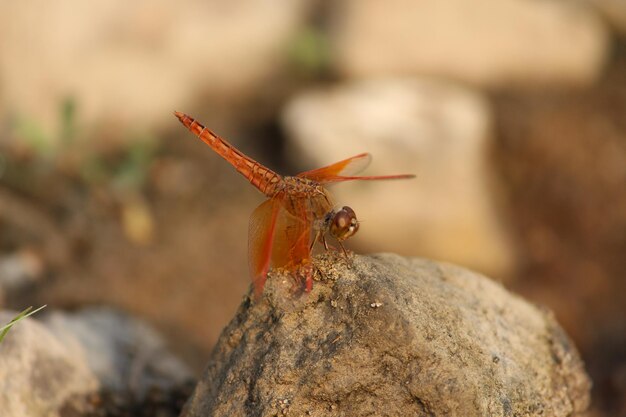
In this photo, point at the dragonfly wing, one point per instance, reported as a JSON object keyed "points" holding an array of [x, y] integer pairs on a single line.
{"points": [[340, 178], [279, 236], [345, 170], [347, 167], [261, 236], [294, 240], [293, 229]]}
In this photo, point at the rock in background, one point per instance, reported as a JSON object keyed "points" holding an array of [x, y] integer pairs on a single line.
{"points": [[614, 11], [38, 373], [391, 336], [61, 364], [130, 65], [124, 353], [486, 42], [437, 130]]}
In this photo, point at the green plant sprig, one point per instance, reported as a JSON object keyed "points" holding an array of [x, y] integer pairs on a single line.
{"points": [[27, 312]]}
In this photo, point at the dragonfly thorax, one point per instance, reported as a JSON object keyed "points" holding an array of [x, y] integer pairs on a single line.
{"points": [[302, 186]]}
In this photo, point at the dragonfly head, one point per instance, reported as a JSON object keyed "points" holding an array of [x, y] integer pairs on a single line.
{"points": [[343, 223]]}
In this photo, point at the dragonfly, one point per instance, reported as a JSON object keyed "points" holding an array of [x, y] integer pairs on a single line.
{"points": [[298, 212]]}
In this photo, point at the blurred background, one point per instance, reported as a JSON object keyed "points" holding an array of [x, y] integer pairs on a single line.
{"points": [[512, 113]]}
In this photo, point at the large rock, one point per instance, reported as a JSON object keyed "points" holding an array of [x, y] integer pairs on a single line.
{"points": [[131, 64], [390, 336], [38, 373], [489, 42], [437, 130]]}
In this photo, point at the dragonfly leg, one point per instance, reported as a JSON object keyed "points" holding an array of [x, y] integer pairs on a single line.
{"points": [[346, 255], [343, 249], [317, 236]]}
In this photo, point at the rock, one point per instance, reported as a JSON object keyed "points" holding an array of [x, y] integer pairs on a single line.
{"points": [[38, 374], [53, 367], [391, 336], [124, 353], [19, 269], [488, 42], [437, 130], [132, 64], [614, 11]]}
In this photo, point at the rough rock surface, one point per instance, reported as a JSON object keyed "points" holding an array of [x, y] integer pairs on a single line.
{"points": [[440, 131], [390, 336], [489, 42], [38, 374]]}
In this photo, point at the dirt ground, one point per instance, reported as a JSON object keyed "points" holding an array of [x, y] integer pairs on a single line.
{"points": [[173, 248], [562, 157]]}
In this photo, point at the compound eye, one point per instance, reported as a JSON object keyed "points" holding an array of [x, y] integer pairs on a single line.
{"points": [[344, 224]]}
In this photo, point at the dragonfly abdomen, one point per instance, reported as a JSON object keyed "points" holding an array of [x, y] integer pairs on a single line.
{"points": [[261, 177]]}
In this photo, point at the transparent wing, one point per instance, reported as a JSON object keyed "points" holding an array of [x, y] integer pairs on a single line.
{"points": [[293, 232], [294, 240], [348, 167], [339, 178], [261, 235], [279, 235], [345, 170]]}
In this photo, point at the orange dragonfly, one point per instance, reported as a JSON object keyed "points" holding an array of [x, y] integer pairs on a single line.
{"points": [[298, 213]]}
